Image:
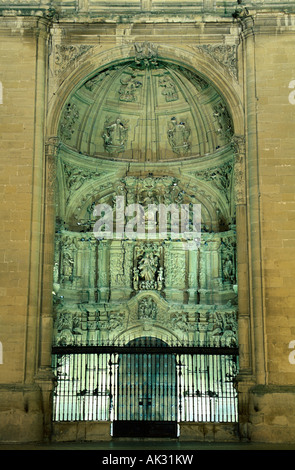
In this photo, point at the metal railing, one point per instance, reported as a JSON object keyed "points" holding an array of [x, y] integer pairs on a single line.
{"points": [[140, 383]]}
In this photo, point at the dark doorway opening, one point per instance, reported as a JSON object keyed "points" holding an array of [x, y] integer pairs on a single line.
{"points": [[147, 391]]}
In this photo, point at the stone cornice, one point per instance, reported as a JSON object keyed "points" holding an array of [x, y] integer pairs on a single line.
{"points": [[200, 11]]}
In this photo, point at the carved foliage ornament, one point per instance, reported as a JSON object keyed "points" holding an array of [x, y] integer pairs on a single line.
{"points": [[224, 54], [66, 55], [75, 177], [69, 118]]}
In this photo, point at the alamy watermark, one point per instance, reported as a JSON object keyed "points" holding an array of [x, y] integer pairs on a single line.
{"points": [[154, 221]]}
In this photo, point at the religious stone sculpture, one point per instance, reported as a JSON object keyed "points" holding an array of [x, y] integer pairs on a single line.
{"points": [[115, 135], [170, 91], [178, 136], [147, 309], [129, 87], [147, 273]]}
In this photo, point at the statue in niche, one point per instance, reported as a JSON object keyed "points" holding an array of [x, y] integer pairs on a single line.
{"points": [[147, 274], [68, 267], [135, 278], [148, 267], [160, 279], [241, 11], [228, 269], [115, 135], [178, 136], [147, 309]]}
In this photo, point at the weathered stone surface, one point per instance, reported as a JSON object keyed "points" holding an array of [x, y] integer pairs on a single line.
{"points": [[51, 68]]}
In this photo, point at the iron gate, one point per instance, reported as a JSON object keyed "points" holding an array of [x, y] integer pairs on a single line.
{"points": [[145, 384]]}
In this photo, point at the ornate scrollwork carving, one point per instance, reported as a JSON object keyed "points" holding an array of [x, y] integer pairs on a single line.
{"points": [[69, 118]]}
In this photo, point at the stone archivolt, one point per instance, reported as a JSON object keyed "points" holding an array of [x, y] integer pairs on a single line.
{"points": [[151, 133]]}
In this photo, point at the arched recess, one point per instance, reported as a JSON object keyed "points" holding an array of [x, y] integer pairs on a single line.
{"points": [[210, 181]]}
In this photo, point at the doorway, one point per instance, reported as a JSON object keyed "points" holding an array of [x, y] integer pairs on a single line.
{"points": [[146, 391]]}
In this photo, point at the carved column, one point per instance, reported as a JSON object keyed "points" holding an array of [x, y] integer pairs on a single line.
{"points": [[209, 271], [103, 270], [193, 267], [175, 269]]}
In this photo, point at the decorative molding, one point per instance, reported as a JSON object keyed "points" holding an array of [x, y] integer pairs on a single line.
{"points": [[238, 145], [51, 151]]}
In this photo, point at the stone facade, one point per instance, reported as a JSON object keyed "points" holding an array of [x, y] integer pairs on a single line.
{"points": [[147, 99]]}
